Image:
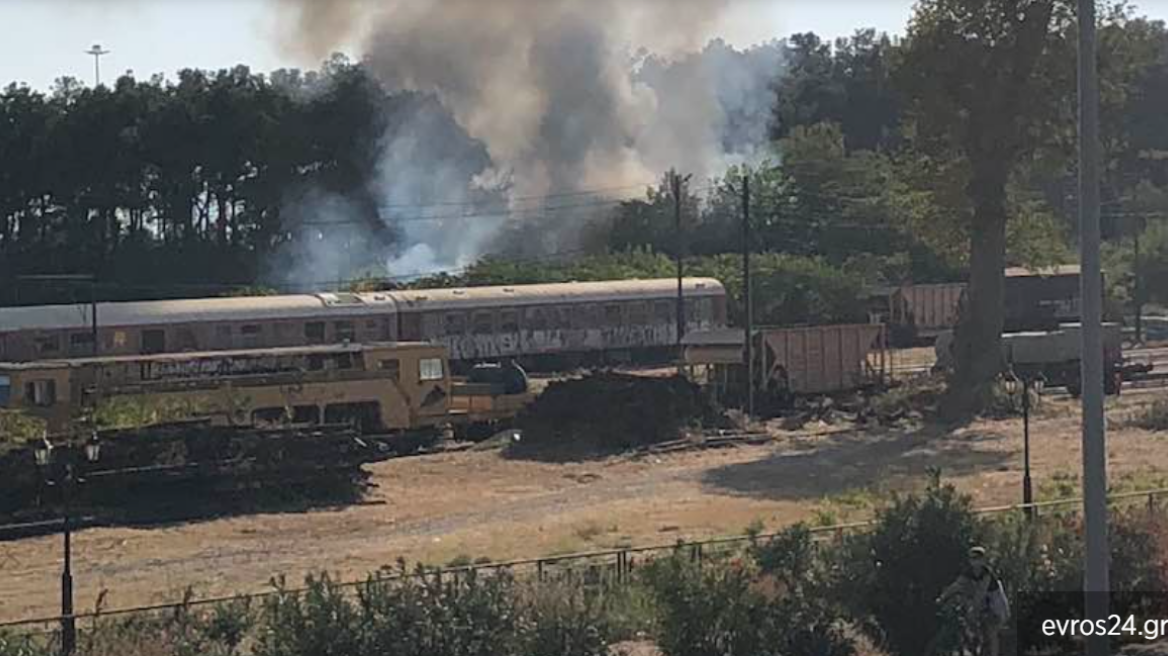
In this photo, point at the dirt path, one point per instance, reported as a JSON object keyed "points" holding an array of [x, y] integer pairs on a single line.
{"points": [[474, 504]]}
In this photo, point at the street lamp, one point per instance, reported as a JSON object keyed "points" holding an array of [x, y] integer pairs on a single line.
{"points": [[1024, 383], [65, 477]]}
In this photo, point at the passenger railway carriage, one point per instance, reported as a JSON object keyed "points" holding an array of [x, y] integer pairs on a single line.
{"points": [[531, 322]]}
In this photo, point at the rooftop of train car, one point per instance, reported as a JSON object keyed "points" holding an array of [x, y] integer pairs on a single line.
{"points": [[134, 313], [569, 292], [322, 349]]}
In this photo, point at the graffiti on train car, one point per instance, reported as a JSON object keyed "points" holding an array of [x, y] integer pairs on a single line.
{"points": [[216, 368], [472, 347]]}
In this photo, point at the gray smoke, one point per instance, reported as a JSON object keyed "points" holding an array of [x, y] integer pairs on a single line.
{"points": [[563, 95]]}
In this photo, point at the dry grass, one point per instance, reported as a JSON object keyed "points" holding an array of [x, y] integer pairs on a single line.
{"points": [[438, 508]]}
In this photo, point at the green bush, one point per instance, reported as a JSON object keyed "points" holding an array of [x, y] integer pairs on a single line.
{"points": [[15, 645], [567, 621], [710, 610], [892, 576]]}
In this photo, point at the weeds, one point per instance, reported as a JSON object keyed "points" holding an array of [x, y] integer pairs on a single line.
{"points": [[1153, 417]]}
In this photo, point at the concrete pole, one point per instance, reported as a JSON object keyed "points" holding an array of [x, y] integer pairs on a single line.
{"points": [[1094, 435]]}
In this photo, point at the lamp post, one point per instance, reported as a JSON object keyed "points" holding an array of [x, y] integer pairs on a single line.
{"points": [[1025, 384], [63, 474]]}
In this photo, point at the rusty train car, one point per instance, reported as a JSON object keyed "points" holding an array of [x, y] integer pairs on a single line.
{"points": [[559, 322], [1038, 299]]}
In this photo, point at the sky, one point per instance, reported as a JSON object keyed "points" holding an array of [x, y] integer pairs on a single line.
{"points": [[46, 39]]}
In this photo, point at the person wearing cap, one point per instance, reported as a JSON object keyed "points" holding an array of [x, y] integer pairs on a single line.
{"points": [[974, 590]]}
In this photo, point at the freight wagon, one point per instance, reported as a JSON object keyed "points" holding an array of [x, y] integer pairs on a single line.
{"points": [[542, 323], [1033, 299], [790, 362]]}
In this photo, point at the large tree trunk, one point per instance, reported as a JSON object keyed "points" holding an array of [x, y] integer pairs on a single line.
{"points": [[977, 342]]}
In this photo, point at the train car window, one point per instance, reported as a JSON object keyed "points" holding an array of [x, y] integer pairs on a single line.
{"points": [[509, 321], [344, 331], [306, 414], [430, 369], [41, 393], [47, 345], [663, 312], [314, 332], [584, 316], [154, 341], [612, 314], [411, 326], [392, 369], [638, 313], [563, 317], [81, 343], [455, 323], [267, 416], [120, 339], [223, 336], [315, 362], [483, 323], [5, 390], [536, 319], [344, 361], [185, 340]]}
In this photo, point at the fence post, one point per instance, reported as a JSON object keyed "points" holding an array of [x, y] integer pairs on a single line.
{"points": [[539, 570], [1151, 506]]}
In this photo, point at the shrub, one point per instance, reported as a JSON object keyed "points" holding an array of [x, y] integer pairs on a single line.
{"points": [[807, 620], [566, 621], [710, 610], [14, 645], [471, 615], [892, 576]]}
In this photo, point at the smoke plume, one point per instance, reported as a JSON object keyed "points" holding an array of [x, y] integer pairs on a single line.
{"points": [[562, 95]]}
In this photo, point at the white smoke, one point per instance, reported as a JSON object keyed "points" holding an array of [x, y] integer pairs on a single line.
{"points": [[562, 95]]}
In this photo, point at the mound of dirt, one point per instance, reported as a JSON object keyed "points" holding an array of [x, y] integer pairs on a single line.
{"points": [[612, 411]]}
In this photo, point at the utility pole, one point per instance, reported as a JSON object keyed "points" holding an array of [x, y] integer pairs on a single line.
{"points": [[1096, 584], [97, 53], [747, 299], [1138, 290], [680, 248]]}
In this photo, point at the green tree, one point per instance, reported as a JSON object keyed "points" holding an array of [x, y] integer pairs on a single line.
{"points": [[968, 77]]}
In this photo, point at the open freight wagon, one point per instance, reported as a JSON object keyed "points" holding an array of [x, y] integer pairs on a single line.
{"points": [[789, 362]]}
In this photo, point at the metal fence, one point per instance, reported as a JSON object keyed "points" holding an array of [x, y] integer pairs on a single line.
{"points": [[611, 565]]}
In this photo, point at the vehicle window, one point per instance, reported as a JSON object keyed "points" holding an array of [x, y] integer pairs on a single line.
{"points": [[120, 339], [484, 323], [612, 315], [344, 361], [455, 323], [306, 414], [314, 332], [252, 334], [430, 369], [344, 331], [638, 314], [392, 368], [5, 390], [315, 362], [186, 340], [663, 312], [537, 319], [81, 343], [153, 341], [223, 336], [41, 393], [509, 321], [47, 345]]}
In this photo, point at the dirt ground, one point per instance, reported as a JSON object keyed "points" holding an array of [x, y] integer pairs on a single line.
{"points": [[436, 508]]}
